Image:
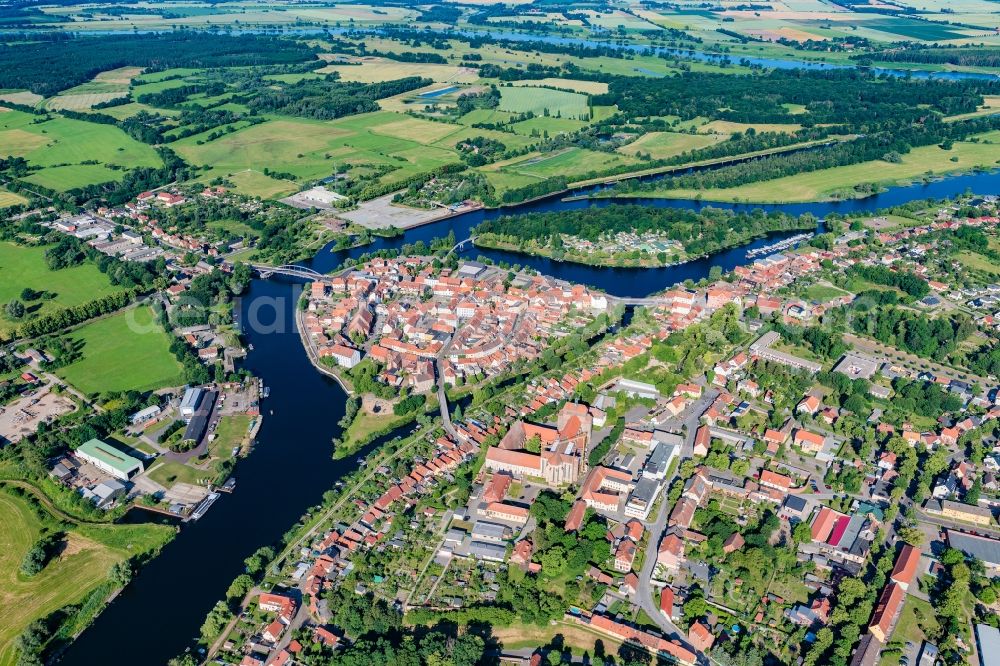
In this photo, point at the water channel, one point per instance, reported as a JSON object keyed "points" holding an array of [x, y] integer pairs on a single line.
{"points": [[159, 614]]}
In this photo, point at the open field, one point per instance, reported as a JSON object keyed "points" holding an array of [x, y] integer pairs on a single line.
{"points": [[310, 149], [822, 293], [382, 69], [22, 267], [126, 351], [538, 101], [68, 579], [24, 97], [63, 141], [79, 569], [726, 127], [661, 145], [587, 87], [104, 87], [828, 183], [8, 199], [571, 162], [542, 125], [977, 262], [256, 184]]}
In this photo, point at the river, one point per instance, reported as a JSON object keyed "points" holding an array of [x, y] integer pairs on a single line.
{"points": [[159, 614]]}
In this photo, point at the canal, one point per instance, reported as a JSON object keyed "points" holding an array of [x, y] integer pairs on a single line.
{"points": [[159, 614]]}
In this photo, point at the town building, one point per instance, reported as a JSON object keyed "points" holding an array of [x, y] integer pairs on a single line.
{"points": [[109, 459]]}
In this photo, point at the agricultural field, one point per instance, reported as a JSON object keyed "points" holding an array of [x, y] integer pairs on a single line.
{"points": [[371, 70], [104, 87], [925, 161], [586, 87], [24, 267], [8, 199], [661, 145], [310, 149], [24, 97], [184, 15], [70, 577], [571, 162], [60, 146], [727, 127], [543, 101], [125, 351], [547, 125]]}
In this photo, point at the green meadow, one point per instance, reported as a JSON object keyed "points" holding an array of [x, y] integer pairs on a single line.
{"points": [[22, 267], [311, 149], [60, 145], [69, 577], [126, 351], [539, 100]]}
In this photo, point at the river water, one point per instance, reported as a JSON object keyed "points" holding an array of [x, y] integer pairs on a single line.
{"points": [[159, 614]]}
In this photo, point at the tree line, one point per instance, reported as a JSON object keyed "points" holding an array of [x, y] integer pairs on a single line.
{"points": [[47, 66]]}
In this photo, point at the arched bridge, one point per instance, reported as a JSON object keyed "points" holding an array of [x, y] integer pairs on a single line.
{"points": [[291, 270], [459, 245]]}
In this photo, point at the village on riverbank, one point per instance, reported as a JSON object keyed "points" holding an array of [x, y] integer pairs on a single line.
{"points": [[761, 460]]}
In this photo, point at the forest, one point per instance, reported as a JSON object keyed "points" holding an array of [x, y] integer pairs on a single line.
{"points": [[329, 98], [858, 101], [970, 56], [56, 62]]}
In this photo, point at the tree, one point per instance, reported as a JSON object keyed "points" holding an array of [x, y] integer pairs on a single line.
{"points": [[15, 309], [216, 621], [239, 587]]}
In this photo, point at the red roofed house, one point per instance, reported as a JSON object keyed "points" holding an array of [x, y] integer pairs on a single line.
{"points": [[810, 442], [823, 524], [906, 566], [701, 638], [702, 441], [809, 405], [770, 479], [667, 601], [671, 552], [886, 612], [575, 518], [273, 631]]}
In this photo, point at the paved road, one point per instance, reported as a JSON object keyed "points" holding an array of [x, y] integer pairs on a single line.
{"points": [[644, 595]]}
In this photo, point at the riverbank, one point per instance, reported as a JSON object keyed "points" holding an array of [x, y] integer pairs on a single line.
{"points": [[855, 181], [536, 250]]}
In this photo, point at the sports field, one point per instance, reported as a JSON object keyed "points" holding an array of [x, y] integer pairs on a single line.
{"points": [[126, 351], [824, 184], [63, 141], [22, 267], [661, 145], [538, 100], [310, 149]]}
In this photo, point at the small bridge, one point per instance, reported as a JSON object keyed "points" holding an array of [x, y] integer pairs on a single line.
{"points": [[291, 270]]}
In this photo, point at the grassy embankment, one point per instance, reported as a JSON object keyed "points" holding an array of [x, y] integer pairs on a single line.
{"points": [[839, 182], [77, 575]]}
